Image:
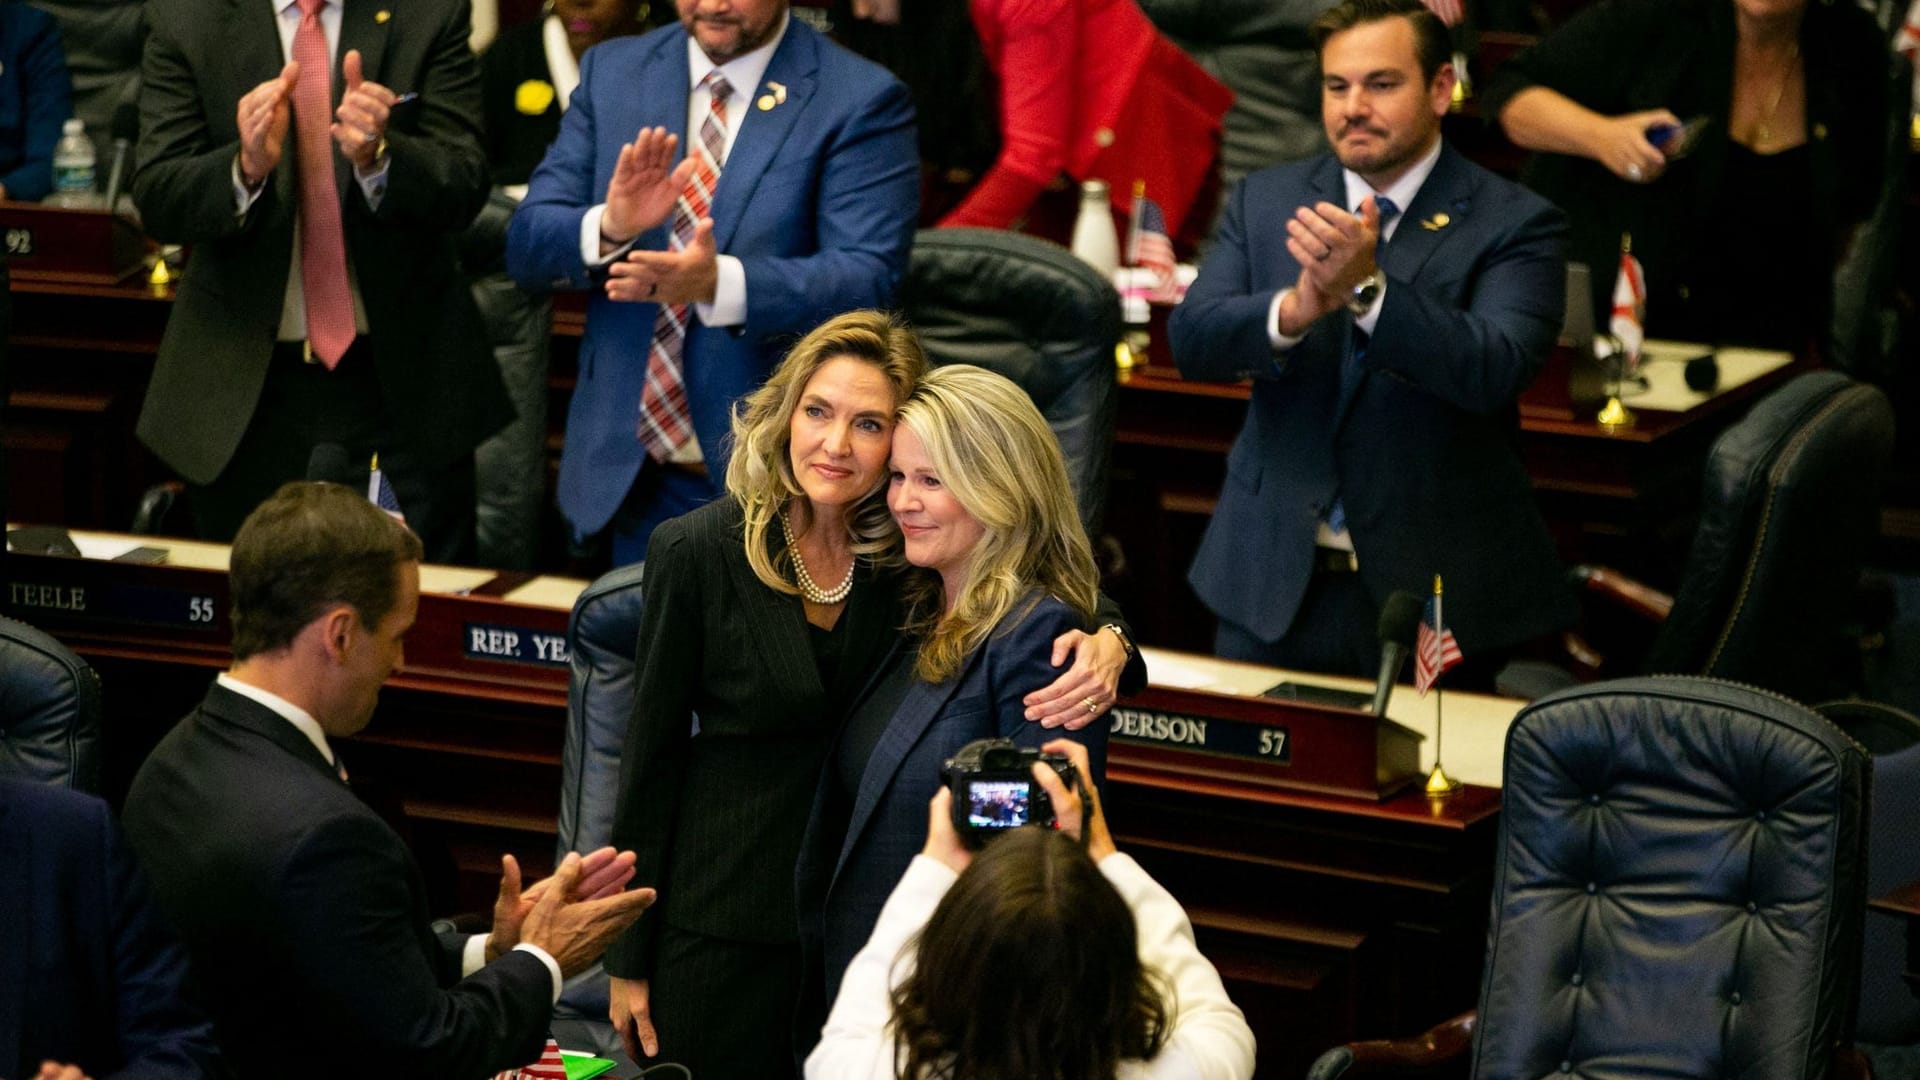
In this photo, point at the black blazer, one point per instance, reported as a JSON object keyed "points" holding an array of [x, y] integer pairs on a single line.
{"points": [[1625, 56], [89, 974], [441, 387], [516, 139], [716, 817], [306, 917]]}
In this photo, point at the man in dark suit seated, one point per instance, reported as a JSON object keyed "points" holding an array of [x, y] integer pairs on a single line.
{"points": [[304, 912], [1390, 301], [90, 978]]}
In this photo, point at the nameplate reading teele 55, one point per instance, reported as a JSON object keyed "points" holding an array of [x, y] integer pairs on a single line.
{"points": [[513, 644]]}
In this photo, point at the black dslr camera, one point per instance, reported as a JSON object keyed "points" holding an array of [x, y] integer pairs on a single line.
{"points": [[994, 790]]}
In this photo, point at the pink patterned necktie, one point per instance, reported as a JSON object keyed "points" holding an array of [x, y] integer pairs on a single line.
{"points": [[665, 421], [323, 247]]}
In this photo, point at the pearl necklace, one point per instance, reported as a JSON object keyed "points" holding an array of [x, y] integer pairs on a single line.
{"points": [[814, 593]]}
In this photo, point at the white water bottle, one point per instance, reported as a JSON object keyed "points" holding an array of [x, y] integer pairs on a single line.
{"points": [[1095, 240], [73, 166]]}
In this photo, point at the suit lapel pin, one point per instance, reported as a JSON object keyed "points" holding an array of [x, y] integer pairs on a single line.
{"points": [[776, 95], [382, 16], [1437, 222]]}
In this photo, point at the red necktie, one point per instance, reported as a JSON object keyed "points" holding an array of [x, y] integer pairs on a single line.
{"points": [[323, 247], [665, 421]]}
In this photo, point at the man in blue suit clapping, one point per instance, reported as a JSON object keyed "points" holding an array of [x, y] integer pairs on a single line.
{"points": [[794, 201], [1390, 301]]}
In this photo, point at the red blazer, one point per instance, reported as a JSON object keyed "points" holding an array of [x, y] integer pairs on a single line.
{"points": [[1091, 89]]}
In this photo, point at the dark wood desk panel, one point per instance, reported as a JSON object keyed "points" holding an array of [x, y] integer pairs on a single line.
{"points": [[1625, 498]]}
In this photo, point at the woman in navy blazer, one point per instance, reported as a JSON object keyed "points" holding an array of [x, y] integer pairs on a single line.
{"points": [[980, 493]]}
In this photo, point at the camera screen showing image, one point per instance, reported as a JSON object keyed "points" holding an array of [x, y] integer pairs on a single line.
{"points": [[993, 788], [998, 804]]}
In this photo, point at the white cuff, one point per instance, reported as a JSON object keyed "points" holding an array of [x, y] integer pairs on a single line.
{"points": [[243, 197], [1279, 341], [590, 240], [729, 307], [1366, 323], [373, 185], [553, 966], [473, 955]]}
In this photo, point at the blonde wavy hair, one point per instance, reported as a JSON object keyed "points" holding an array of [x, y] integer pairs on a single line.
{"points": [[992, 449], [760, 469]]}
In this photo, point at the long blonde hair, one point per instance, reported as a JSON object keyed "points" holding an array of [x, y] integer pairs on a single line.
{"points": [[992, 449], [760, 469]]}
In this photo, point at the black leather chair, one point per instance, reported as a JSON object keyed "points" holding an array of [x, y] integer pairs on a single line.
{"points": [[1789, 504], [1678, 892], [1889, 1013], [49, 711], [603, 635], [1027, 309]]}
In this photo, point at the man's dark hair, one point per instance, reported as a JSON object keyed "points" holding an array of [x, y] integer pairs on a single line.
{"points": [[309, 547], [1430, 39]]}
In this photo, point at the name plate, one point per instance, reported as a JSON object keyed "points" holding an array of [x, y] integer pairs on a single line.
{"points": [[106, 601], [1208, 734], [513, 645]]}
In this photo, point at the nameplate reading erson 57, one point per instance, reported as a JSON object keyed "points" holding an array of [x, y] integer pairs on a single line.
{"points": [[513, 644], [1207, 734]]}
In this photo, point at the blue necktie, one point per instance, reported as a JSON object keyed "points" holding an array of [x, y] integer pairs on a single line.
{"points": [[1350, 368]]}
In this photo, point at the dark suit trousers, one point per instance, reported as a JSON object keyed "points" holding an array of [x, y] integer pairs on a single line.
{"points": [[725, 1009], [304, 405]]}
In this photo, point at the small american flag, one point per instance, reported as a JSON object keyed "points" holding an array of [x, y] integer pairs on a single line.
{"points": [[1629, 305], [1147, 243], [551, 1066], [1435, 650], [380, 492]]}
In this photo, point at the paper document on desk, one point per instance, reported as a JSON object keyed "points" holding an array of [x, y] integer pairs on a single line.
{"points": [[1664, 368]]}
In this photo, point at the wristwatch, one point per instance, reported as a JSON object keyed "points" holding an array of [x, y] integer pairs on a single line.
{"points": [[1364, 294], [1126, 642]]}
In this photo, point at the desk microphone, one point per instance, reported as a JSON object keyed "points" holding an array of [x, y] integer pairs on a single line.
{"points": [[126, 129], [1399, 622], [329, 462]]}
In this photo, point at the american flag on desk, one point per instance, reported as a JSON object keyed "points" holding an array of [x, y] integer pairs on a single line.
{"points": [[1435, 650], [551, 1066], [380, 492], [1147, 243]]}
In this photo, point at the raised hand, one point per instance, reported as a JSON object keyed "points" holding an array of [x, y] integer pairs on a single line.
{"points": [[263, 116], [360, 123], [644, 186], [688, 276]]}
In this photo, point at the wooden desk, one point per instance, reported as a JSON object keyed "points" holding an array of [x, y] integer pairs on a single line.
{"points": [[1331, 918], [1621, 497], [1905, 902]]}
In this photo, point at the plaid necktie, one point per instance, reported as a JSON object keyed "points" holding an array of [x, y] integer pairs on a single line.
{"points": [[323, 247], [665, 422]]}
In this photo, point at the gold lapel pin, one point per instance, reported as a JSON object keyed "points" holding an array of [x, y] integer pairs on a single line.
{"points": [[382, 16], [1436, 222], [776, 95], [765, 102]]}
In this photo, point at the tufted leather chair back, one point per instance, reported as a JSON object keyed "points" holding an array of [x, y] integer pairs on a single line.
{"points": [[1027, 309], [49, 711], [1679, 887], [603, 635], [1789, 503]]}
